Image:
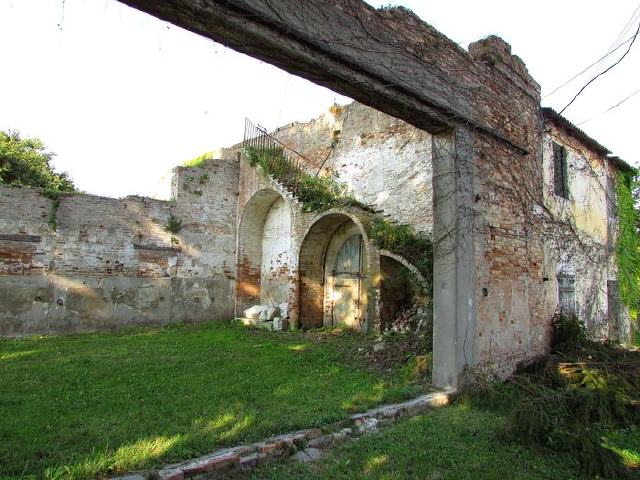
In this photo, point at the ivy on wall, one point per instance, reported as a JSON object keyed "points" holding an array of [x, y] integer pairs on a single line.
{"points": [[628, 241], [318, 193], [406, 242]]}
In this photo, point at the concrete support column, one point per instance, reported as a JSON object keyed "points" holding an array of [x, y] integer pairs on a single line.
{"points": [[454, 263]]}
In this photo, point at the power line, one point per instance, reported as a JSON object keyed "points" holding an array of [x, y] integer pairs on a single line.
{"points": [[628, 97], [633, 39], [612, 49], [586, 69]]}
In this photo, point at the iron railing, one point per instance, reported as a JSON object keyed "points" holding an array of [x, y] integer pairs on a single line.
{"points": [[280, 161]]}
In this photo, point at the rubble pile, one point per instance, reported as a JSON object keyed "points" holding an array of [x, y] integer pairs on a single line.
{"points": [[410, 319]]}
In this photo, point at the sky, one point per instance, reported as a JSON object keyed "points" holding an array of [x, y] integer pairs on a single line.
{"points": [[122, 97]]}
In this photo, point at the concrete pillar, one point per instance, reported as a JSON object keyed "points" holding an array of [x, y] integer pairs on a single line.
{"points": [[454, 262]]}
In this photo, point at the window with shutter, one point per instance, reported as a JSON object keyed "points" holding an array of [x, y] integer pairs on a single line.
{"points": [[560, 171], [567, 293]]}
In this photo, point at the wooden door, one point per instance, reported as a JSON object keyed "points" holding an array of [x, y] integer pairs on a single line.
{"points": [[347, 283]]}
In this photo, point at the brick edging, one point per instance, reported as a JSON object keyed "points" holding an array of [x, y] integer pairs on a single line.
{"points": [[247, 457]]}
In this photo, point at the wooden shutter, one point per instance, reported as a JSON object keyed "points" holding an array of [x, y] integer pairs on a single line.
{"points": [[557, 169], [565, 172], [567, 293], [560, 172]]}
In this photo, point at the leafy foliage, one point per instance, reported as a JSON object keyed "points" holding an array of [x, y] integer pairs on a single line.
{"points": [[566, 401], [316, 193], [174, 224], [569, 332], [404, 241], [628, 241], [199, 160], [25, 162]]}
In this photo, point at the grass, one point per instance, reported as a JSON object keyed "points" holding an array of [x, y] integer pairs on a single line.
{"points": [[456, 442], [83, 405], [572, 414]]}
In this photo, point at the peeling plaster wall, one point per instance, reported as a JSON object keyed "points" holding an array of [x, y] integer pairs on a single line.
{"points": [[588, 252], [276, 251], [111, 263], [383, 161]]}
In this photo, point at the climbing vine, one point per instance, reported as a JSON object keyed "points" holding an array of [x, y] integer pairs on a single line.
{"points": [[319, 193], [628, 242], [406, 242], [316, 193]]}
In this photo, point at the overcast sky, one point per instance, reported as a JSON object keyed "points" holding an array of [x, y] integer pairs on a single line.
{"points": [[122, 97]]}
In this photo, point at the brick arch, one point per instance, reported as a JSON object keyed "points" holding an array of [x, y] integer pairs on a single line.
{"points": [[320, 244], [263, 250]]}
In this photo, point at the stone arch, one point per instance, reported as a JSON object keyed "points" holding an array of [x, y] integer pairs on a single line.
{"points": [[323, 243], [263, 251], [397, 289]]}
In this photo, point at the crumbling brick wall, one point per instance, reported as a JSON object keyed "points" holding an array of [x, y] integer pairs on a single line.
{"points": [[384, 161], [111, 262]]}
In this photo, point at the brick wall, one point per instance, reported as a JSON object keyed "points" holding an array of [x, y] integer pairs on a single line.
{"points": [[111, 262]]}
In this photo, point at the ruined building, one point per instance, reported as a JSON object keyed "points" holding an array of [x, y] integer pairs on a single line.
{"points": [[521, 212]]}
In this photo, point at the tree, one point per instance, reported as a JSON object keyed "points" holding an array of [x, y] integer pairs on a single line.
{"points": [[26, 162]]}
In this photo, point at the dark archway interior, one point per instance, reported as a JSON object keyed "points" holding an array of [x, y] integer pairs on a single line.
{"points": [[396, 291]]}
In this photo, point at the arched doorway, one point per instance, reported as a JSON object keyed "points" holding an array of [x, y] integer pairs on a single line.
{"points": [[335, 274], [405, 299], [264, 245]]}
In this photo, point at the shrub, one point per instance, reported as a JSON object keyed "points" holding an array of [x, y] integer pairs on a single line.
{"points": [[406, 242], [174, 224], [569, 332]]}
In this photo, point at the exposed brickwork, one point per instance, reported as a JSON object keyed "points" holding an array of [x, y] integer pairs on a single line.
{"points": [[111, 262]]}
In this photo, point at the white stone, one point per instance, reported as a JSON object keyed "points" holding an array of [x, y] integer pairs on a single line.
{"points": [[308, 455], [269, 313], [254, 312], [369, 425]]}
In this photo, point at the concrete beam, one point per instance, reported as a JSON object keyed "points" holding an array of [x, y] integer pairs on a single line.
{"points": [[389, 60]]}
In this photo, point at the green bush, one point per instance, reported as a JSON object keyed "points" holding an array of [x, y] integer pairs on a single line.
{"points": [[317, 193], [569, 332], [406, 242], [174, 224]]}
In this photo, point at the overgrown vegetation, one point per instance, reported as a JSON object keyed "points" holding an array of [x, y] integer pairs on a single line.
{"points": [[319, 193], [25, 162], [316, 193], [199, 160], [82, 406], [573, 401], [628, 241], [405, 241], [174, 224]]}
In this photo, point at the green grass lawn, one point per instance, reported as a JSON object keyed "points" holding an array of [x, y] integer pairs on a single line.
{"points": [[456, 442], [77, 406]]}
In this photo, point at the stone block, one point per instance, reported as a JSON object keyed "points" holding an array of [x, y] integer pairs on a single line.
{"points": [[308, 455], [254, 312], [214, 462], [171, 474]]}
